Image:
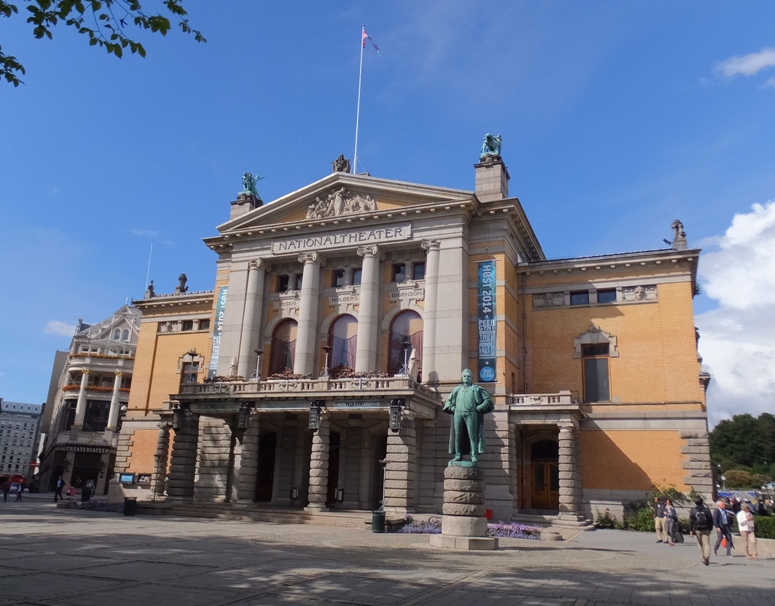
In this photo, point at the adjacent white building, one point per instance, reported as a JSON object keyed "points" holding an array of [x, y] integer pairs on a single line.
{"points": [[93, 385], [19, 424]]}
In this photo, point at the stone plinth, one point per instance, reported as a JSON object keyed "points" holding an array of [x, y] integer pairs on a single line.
{"points": [[463, 525]]}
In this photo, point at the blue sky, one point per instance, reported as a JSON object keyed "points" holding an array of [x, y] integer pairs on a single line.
{"points": [[616, 117]]}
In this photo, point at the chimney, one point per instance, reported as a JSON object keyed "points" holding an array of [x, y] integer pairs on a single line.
{"points": [[492, 179]]}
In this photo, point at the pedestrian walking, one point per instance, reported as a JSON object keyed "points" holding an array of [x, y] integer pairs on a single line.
{"points": [[58, 489], [701, 520], [19, 493], [746, 525], [671, 522], [722, 520], [6, 490], [659, 520]]}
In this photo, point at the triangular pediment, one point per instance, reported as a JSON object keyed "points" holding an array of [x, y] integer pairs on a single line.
{"points": [[343, 196]]}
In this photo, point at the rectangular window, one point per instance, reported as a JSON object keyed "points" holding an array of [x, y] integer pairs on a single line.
{"points": [[399, 273], [337, 278], [596, 382], [204, 324], [419, 271], [579, 298], [190, 372], [298, 281], [282, 283], [607, 295], [187, 325], [357, 275]]}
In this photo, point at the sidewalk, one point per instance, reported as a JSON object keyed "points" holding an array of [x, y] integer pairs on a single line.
{"points": [[52, 556]]}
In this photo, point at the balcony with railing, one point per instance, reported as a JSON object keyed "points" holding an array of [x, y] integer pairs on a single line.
{"points": [[564, 399]]}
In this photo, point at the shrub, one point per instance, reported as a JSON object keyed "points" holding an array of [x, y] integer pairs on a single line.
{"points": [[607, 520], [514, 531], [685, 525], [643, 520], [764, 527], [738, 479], [667, 491]]}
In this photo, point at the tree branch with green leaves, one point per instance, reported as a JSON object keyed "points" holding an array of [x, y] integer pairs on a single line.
{"points": [[104, 22]]}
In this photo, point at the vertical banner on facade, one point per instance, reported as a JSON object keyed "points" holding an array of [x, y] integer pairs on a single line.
{"points": [[486, 319], [215, 351]]}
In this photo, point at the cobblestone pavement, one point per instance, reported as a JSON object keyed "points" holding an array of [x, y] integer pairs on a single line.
{"points": [[63, 557]]}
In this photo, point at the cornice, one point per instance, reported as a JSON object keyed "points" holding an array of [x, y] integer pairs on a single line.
{"points": [[612, 261], [168, 302]]}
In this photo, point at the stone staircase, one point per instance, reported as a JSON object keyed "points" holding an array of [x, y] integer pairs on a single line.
{"points": [[272, 515], [552, 520]]}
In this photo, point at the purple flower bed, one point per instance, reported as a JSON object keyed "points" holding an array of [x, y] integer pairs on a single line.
{"points": [[433, 526], [514, 531]]}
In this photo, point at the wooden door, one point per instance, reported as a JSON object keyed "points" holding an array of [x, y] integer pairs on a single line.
{"points": [[545, 485]]}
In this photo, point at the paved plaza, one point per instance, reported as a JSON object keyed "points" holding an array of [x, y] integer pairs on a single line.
{"points": [[61, 557]]}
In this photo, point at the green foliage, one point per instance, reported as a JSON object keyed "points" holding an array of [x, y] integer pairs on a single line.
{"points": [[685, 525], [606, 520], [744, 442], [738, 479], [643, 520], [764, 527], [104, 22]]}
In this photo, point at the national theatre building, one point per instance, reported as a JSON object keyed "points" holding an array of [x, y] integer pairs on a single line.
{"points": [[313, 375]]}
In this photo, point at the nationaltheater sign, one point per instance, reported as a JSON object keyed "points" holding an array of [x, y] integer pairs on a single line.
{"points": [[352, 237]]}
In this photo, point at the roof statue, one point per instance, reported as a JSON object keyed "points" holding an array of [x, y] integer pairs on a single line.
{"points": [[249, 185], [491, 146], [341, 165], [679, 236], [150, 292], [181, 287]]}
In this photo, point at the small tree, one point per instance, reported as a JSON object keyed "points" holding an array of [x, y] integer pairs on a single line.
{"points": [[739, 479]]}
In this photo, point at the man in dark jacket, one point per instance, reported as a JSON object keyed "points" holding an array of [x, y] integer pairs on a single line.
{"points": [[701, 520], [723, 525]]}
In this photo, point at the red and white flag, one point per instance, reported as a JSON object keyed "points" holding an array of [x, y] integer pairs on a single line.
{"points": [[364, 37]]}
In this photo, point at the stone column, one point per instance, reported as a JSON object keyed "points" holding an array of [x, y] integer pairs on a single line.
{"points": [[368, 314], [318, 468], [113, 414], [180, 482], [429, 315], [80, 407], [570, 487], [161, 458], [401, 469], [306, 337], [248, 463], [251, 321]]}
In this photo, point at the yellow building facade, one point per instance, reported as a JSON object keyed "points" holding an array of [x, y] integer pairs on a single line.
{"points": [[342, 315]]}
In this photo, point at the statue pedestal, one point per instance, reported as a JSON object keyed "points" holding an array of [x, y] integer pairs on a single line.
{"points": [[464, 525]]}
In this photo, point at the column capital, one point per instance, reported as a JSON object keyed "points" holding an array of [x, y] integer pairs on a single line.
{"points": [[119, 373], [429, 245], [372, 250], [85, 371], [260, 264], [312, 257]]}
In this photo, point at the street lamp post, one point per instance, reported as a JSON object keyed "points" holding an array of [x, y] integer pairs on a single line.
{"points": [[258, 353], [325, 374]]}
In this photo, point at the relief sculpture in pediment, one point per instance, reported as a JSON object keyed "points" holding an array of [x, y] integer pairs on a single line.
{"points": [[340, 202]]}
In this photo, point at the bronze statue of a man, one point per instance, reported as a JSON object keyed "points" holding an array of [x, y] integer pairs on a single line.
{"points": [[468, 403]]}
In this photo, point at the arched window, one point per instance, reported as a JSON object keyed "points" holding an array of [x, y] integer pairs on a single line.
{"points": [[405, 338], [283, 348], [117, 334], [343, 339], [125, 335]]}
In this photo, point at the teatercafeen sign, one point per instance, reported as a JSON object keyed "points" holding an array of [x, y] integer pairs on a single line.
{"points": [[353, 237]]}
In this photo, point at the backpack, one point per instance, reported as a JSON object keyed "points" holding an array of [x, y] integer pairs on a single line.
{"points": [[701, 520]]}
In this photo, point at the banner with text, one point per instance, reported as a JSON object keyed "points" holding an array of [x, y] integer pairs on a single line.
{"points": [[215, 351], [486, 320]]}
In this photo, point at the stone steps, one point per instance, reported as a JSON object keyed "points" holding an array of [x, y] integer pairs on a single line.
{"points": [[273, 516], [551, 520]]}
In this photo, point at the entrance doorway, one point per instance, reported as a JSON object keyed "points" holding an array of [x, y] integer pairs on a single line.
{"points": [[85, 467], [267, 445], [334, 446], [545, 475], [380, 453]]}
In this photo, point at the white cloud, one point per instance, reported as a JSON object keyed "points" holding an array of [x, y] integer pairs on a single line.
{"points": [[738, 338], [55, 327], [747, 65]]}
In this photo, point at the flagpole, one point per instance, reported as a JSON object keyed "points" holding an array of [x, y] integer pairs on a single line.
{"points": [[148, 274], [358, 111]]}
